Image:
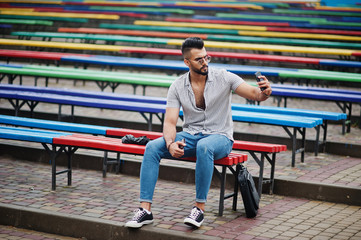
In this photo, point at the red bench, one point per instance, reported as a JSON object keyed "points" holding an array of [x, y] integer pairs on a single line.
{"points": [[70, 143], [259, 151]]}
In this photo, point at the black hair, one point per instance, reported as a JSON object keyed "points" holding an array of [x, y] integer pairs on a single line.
{"points": [[192, 42]]}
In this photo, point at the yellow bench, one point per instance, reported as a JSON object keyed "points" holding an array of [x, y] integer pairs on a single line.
{"points": [[272, 48], [59, 14], [178, 42], [246, 30]]}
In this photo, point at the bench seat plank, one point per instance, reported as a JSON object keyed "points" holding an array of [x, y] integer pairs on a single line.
{"points": [[291, 111], [29, 134], [54, 125]]}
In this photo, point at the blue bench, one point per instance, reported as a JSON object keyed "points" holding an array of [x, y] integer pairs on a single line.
{"points": [[343, 98], [326, 116], [30, 97], [57, 56], [276, 72], [19, 98]]}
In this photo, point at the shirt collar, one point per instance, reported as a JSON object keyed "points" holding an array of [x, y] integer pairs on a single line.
{"points": [[209, 78]]}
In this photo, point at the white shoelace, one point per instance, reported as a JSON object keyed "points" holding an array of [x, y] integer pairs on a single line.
{"points": [[195, 213], [138, 214]]}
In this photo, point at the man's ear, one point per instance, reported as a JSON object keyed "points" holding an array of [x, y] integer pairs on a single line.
{"points": [[186, 62]]}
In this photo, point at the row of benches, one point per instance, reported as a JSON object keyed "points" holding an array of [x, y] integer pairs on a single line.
{"points": [[281, 74], [343, 98], [57, 142], [270, 26], [113, 8], [159, 39], [317, 62], [176, 42], [243, 30], [298, 120]]}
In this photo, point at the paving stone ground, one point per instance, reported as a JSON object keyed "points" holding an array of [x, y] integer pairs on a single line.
{"points": [[26, 184]]}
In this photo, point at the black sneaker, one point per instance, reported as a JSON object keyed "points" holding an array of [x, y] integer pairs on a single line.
{"points": [[140, 218], [196, 218]]}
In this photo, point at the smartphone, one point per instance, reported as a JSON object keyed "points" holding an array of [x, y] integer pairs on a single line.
{"points": [[184, 141], [258, 75]]}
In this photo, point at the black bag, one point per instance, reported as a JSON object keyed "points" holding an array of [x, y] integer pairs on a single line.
{"points": [[249, 193], [143, 140]]}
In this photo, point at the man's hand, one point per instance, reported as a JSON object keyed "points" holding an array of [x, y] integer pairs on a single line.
{"points": [[176, 149], [265, 84]]}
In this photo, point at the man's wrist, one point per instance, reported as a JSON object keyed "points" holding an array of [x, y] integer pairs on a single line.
{"points": [[168, 146]]}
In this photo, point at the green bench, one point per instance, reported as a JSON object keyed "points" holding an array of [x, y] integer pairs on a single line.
{"points": [[110, 79]]}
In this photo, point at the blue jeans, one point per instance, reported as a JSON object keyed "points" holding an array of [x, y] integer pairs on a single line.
{"points": [[206, 148]]}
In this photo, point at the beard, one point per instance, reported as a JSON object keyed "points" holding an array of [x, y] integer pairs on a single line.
{"points": [[202, 71]]}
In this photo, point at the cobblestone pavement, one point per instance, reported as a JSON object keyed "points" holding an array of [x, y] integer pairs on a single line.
{"points": [[27, 184]]}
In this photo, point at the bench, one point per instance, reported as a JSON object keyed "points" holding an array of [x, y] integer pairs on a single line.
{"points": [[342, 98], [55, 143], [326, 116], [60, 15], [32, 97], [26, 22], [91, 38], [269, 26], [306, 19], [302, 25], [111, 79], [19, 98], [245, 30], [259, 151], [161, 51], [223, 56], [53, 19]]}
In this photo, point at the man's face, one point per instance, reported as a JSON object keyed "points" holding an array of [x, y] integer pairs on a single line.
{"points": [[197, 61]]}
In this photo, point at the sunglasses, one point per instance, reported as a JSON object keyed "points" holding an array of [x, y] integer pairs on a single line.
{"points": [[201, 60]]}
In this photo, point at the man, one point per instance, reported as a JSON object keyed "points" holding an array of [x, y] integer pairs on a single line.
{"points": [[205, 97]]}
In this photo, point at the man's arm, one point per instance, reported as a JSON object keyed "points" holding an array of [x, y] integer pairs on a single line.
{"points": [[254, 93], [169, 132]]}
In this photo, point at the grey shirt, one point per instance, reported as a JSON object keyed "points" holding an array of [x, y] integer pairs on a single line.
{"points": [[217, 116]]}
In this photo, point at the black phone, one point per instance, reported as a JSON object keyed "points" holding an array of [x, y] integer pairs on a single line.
{"points": [[258, 75], [180, 146]]}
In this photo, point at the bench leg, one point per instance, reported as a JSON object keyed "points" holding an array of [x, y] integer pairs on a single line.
{"points": [[54, 153], [105, 164], [293, 137], [317, 140], [272, 174], [222, 192], [303, 147], [236, 187], [69, 152]]}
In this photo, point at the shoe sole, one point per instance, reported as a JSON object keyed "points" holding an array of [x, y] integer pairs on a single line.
{"points": [[192, 223], [138, 225]]}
